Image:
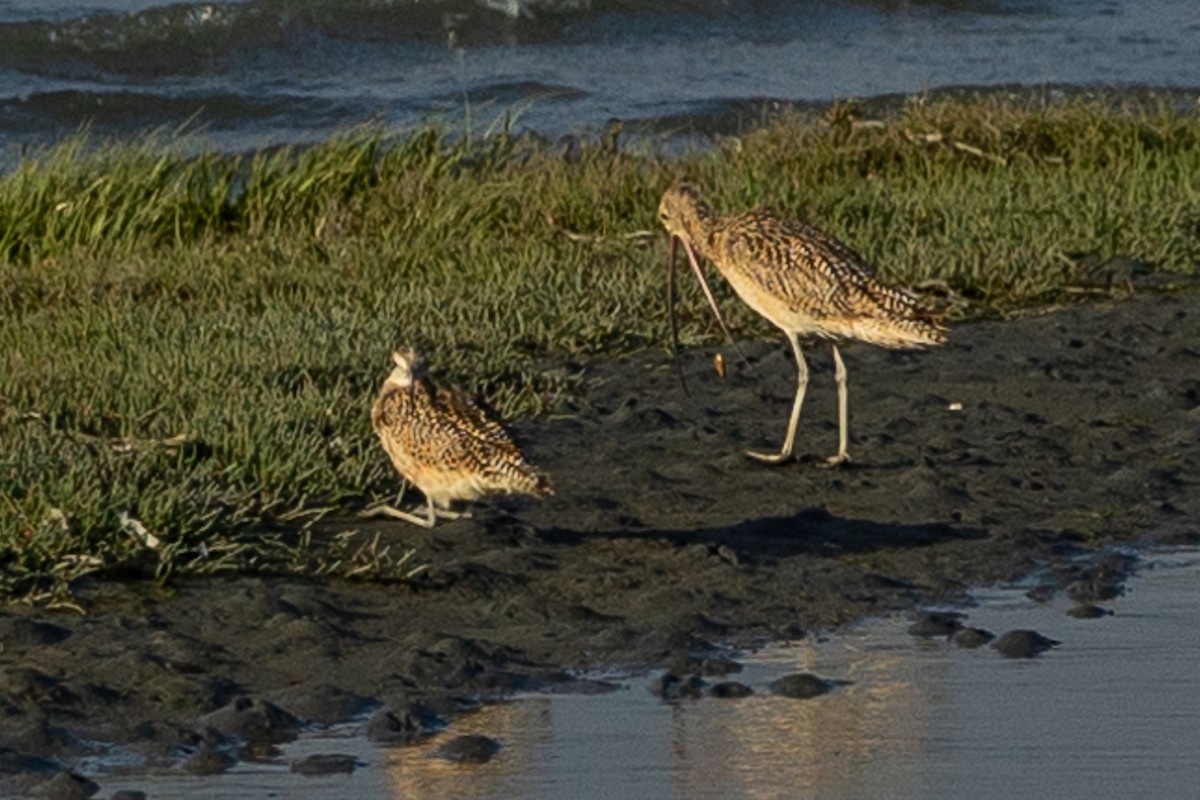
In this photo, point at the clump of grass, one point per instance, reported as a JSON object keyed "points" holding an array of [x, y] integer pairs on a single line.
{"points": [[191, 343]]}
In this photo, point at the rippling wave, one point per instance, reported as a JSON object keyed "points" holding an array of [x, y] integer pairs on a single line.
{"points": [[192, 37], [261, 72]]}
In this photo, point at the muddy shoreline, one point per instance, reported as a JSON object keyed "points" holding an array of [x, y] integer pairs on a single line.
{"points": [[1017, 447]]}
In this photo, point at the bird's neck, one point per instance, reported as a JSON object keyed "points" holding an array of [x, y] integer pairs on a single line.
{"points": [[700, 226]]}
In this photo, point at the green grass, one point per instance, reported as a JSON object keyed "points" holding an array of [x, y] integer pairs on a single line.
{"points": [[193, 342]]}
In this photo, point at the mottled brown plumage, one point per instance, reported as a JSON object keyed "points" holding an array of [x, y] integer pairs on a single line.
{"points": [[804, 281], [446, 444]]}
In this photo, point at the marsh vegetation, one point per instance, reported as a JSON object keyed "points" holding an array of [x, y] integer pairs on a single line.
{"points": [[189, 344]]}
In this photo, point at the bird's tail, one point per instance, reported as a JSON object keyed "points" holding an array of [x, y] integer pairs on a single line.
{"points": [[918, 332], [905, 321], [522, 478], [535, 483]]}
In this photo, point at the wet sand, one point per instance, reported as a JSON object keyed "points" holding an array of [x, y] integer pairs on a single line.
{"points": [[1020, 445]]}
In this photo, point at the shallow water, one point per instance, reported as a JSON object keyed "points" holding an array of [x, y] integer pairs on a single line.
{"points": [[258, 72], [1113, 712]]}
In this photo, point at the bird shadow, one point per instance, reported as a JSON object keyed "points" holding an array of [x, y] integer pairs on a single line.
{"points": [[764, 539]]}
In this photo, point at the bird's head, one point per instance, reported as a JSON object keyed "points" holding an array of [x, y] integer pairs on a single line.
{"points": [[408, 367], [683, 212], [688, 219]]}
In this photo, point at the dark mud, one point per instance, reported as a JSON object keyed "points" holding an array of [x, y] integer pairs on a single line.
{"points": [[1015, 448]]}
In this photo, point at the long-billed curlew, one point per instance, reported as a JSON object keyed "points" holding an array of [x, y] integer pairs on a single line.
{"points": [[445, 444], [802, 280]]}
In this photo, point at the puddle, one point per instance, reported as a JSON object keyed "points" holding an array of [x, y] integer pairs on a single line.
{"points": [[1113, 712]]}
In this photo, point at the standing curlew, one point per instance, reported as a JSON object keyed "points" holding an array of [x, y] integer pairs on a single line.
{"points": [[802, 280], [445, 444]]}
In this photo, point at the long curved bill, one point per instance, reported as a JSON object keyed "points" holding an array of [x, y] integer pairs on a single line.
{"points": [[712, 303], [671, 314]]}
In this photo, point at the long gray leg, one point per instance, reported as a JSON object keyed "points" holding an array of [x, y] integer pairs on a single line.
{"points": [[789, 443], [428, 521], [839, 375]]}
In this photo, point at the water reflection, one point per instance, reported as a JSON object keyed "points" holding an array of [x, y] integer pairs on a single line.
{"points": [[764, 745], [919, 719], [1110, 714], [414, 772], [631, 745]]}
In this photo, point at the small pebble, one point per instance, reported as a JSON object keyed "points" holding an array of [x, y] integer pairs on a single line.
{"points": [[720, 665], [936, 623], [255, 721], [473, 748], [1023, 644], [730, 690], [208, 762], [1095, 587], [1088, 611], [801, 685], [973, 637], [671, 686], [325, 764], [403, 725]]}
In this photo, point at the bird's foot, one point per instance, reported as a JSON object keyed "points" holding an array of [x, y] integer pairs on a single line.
{"points": [[836, 461], [774, 459], [395, 513]]}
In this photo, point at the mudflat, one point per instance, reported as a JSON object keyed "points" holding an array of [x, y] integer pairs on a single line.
{"points": [[1016, 447]]}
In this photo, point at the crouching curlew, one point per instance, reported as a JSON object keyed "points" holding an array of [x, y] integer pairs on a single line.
{"points": [[802, 280], [445, 444]]}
